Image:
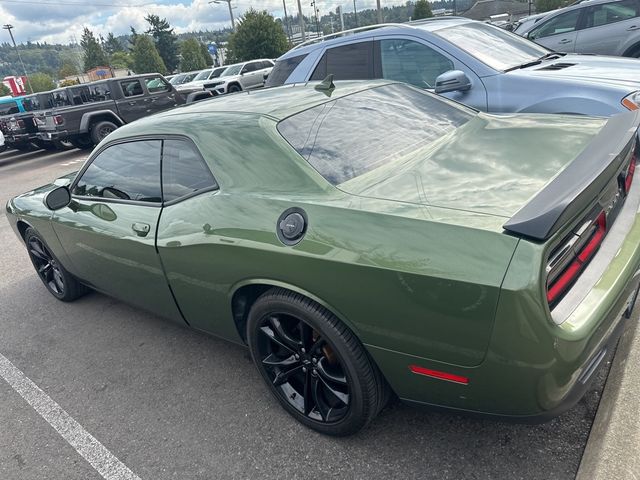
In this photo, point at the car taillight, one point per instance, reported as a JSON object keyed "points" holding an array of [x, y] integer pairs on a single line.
{"points": [[628, 177], [567, 262], [58, 120]]}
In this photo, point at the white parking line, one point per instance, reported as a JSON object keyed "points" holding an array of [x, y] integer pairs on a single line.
{"points": [[105, 463]]}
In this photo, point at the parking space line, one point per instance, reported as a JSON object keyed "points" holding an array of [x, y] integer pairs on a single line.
{"points": [[101, 459]]}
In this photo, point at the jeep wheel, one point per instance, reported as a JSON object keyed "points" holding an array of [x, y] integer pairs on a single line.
{"points": [[234, 88], [101, 129]]}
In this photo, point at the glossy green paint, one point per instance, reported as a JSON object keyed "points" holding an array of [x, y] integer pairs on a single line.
{"points": [[421, 279]]}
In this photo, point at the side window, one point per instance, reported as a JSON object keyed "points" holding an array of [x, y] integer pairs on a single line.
{"points": [[183, 170], [266, 64], [412, 62], [606, 13], [9, 108], [561, 24], [249, 67], [349, 62], [99, 92], [79, 95], [282, 70], [156, 85], [131, 88], [126, 171]]}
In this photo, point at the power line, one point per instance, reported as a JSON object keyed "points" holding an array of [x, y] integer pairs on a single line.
{"points": [[76, 4]]}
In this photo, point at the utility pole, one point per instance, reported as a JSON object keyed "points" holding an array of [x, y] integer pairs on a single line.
{"points": [[379, 12], [341, 18], [286, 20], [315, 13], [301, 19], [9, 27], [228, 2], [355, 12]]}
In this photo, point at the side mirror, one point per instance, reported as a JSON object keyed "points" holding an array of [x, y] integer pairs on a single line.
{"points": [[452, 81], [57, 198]]}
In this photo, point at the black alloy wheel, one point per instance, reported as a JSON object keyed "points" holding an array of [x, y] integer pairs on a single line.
{"points": [[60, 283], [234, 88], [304, 367], [101, 129], [46, 266], [313, 364]]}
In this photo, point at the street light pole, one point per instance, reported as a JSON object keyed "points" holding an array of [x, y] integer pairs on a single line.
{"points": [[355, 12], [301, 20], [228, 2], [9, 27], [286, 20]]}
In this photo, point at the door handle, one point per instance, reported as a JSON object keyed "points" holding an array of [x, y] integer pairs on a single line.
{"points": [[565, 41], [141, 229], [632, 27]]}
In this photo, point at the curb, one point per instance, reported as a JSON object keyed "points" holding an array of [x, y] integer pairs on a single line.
{"points": [[613, 447]]}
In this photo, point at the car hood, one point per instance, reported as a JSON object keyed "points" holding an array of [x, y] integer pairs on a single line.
{"points": [[491, 165], [596, 69]]}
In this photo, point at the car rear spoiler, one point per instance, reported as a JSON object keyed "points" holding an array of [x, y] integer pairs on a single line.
{"points": [[575, 187]]}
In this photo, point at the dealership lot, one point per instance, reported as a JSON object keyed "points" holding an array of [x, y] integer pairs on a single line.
{"points": [[168, 402]]}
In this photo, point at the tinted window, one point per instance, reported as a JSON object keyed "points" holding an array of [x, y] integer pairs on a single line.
{"points": [[9, 108], [412, 62], [31, 103], [127, 171], [99, 92], [131, 88], [157, 85], [58, 98], [564, 23], [79, 95], [349, 62], [345, 138], [249, 67], [183, 170], [282, 70], [491, 45], [610, 13]]}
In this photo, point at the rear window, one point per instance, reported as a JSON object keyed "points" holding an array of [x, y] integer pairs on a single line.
{"points": [[350, 136], [282, 70]]}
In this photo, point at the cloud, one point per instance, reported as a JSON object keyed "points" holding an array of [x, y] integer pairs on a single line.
{"points": [[59, 21]]}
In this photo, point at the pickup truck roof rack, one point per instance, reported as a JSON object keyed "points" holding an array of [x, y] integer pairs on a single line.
{"points": [[353, 31]]}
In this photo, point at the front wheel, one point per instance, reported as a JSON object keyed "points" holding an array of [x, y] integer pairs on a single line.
{"points": [[234, 88], [101, 129], [60, 283], [313, 364]]}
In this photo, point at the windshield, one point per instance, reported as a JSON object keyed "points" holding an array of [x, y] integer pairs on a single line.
{"points": [[217, 72], [203, 75], [371, 130], [178, 79], [493, 46], [232, 70]]}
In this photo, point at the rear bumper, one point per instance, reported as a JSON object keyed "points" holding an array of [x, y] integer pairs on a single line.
{"points": [[53, 135]]}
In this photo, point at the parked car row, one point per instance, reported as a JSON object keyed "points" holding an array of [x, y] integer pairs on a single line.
{"points": [[229, 78], [82, 115], [366, 236]]}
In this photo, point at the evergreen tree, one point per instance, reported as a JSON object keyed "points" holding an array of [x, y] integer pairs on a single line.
{"points": [[192, 56], [258, 36], [94, 55], [146, 58], [41, 82], [112, 45], [421, 10], [206, 56], [67, 69], [165, 39]]}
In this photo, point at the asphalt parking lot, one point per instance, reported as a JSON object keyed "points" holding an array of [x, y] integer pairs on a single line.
{"points": [[173, 403]]}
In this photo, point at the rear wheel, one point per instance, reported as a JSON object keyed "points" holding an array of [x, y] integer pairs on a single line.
{"points": [[60, 283], [313, 364], [83, 142], [101, 129]]}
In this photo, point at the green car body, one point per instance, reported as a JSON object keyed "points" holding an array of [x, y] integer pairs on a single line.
{"points": [[413, 256]]}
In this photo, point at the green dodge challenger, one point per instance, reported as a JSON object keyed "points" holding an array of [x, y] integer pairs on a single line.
{"points": [[363, 239]]}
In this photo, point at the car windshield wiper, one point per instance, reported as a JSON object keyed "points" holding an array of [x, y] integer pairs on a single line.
{"points": [[546, 56]]}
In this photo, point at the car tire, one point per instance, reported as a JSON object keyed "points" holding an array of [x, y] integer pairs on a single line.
{"points": [[313, 364], [62, 145], [82, 142], [60, 283], [233, 88], [101, 129]]}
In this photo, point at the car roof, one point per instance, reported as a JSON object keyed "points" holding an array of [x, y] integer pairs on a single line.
{"points": [[577, 6], [347, 36], [276, 103]]}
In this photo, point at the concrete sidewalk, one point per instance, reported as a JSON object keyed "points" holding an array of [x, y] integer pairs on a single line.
{"points": [[613, 448]]}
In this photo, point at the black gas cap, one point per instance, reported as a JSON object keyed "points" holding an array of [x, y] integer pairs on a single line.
{"points": [[292, 225]]}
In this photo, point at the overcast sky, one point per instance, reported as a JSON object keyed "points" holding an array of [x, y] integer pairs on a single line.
{"points": [[56, 21]]}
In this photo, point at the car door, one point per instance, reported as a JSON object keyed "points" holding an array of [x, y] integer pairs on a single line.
{"points": [[606, 27], [131, 105], [414, 61], [109, 228], [559, 32], [160, 94], [249, 75]]}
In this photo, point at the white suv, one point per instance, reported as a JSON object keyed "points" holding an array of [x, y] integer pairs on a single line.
{"points": [[241, 76]]}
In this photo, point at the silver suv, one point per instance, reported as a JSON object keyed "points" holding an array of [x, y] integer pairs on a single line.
{"points": [[604, 27]]}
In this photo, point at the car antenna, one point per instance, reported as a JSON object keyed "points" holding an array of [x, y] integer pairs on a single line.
{"points": [[326, 86]]}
